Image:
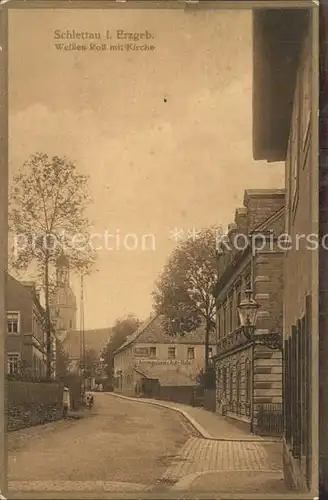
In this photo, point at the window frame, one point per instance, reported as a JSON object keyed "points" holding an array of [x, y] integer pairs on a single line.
{"points": [[224, 381], [191, 349], [18, 322], [238, 301], [248, 389], [238, 383], [224, 307], [19, 358], [152, 352], [218, 323], [230, 314], [231, 384], [174, 350]]}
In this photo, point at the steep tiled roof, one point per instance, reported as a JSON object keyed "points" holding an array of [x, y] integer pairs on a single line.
{"points": [[152, 331], [94, 339]]}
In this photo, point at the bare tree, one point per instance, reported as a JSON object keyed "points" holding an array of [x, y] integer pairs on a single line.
{"points": [[47, 218], [184, 292]]}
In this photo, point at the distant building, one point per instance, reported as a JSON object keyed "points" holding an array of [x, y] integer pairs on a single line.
{"points": [[26, 335], [249, 377], [150, 355], [62, 301], [282, 85], [63, 309], [94, 340]]}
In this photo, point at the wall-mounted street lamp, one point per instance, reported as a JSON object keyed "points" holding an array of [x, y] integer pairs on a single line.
{"points": [[248, 309]]}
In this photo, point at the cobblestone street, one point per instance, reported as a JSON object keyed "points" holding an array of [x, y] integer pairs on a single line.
{"points": [[121, 446], [127, 446]]}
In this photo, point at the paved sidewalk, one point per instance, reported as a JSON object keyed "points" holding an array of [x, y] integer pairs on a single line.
{"points": [[202, 455], [232, 482], [216, 426], [209, 425]]}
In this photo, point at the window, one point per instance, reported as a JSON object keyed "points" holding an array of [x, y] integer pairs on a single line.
{"points": [[13, 361], [218, 325], [248, 382], [142, 352], [210, 352], [238, 301], [152, 352], [231, 384], [171, 353], [225, 319], [238, 378], [230, 315], [191, 353], [13, 322], [224, 382]]}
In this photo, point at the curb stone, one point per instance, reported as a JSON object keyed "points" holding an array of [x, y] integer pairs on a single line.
{"points": [[204, 434]]}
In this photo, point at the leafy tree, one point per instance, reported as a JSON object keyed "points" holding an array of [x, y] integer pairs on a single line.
{"points": [[47, 218], [120, 332], [90, 364], [184, 292], [62, 361]]}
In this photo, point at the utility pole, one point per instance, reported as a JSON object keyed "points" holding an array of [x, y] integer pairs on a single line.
{"points": [[82, 339]]}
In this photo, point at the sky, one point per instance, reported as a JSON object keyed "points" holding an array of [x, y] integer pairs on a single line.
{"points": [[165, 135]]}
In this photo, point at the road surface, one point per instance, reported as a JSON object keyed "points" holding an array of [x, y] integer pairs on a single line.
{"points": [[121, 445], [132, 446]]}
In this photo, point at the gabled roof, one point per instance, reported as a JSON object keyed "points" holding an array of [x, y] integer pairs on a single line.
{"points": [[134, 336], [153, 331]]}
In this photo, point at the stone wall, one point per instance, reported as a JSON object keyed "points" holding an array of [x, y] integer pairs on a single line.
{"points": [[33, 403]]}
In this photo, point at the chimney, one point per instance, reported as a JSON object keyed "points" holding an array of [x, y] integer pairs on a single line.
{"points": [[232, 234], [261, 204], [241, 220]]}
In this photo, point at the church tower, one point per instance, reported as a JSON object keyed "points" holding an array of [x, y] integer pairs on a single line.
{"points": [[63, 302]]}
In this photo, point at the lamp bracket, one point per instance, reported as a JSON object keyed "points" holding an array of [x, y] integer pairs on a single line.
{"points": [[271, 340]]}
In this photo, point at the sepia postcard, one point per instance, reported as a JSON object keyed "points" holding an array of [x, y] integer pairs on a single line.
{"points": [[160, 250]]}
